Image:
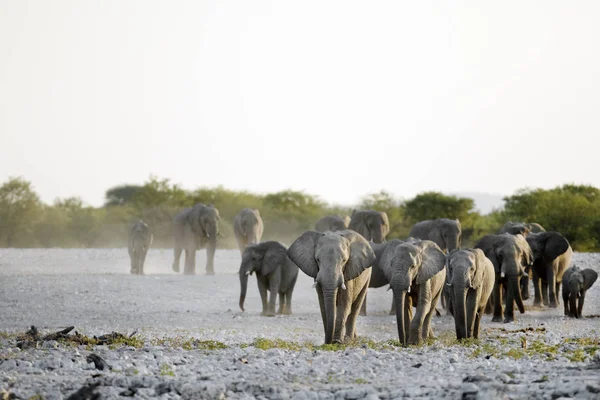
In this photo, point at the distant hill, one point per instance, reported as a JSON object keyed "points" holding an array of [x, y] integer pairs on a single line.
{"points": [[484, 202]]}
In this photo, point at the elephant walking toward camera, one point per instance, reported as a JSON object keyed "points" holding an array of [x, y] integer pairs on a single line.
{"points": [[470, 278], [332, 223], [372, 225], [340, 263], [195, 228], [140, 239], [275, 273], [247, 227], [416, 272], [575, 283], [552, 255]]}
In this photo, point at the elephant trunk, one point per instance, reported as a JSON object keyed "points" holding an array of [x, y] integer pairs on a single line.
{"points": [[513, 295], [211, 247], [573, 305], [329, 298], [459, 302], [243, 287], [400, 297]]}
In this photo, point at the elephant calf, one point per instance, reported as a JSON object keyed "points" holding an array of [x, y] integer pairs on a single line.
{"points": [[140, 239], [470, 277], [575, 282], [275, 273]]}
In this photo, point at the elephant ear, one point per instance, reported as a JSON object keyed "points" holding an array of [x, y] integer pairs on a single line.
{"points": [[433, 261], [274, 257], [487, 245], [385, 221], [589, 277], [481, 261], [194, 219], [527, 257], [361, 257], [302, 252], [556, 244]]}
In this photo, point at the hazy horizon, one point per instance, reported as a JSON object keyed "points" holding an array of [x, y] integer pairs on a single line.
{"points": [[339, 99]]}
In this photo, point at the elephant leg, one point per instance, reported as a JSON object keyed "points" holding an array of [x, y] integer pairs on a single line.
{"points": [[579, 306], [565, 297], [489, 306], [211, 248], [545, 293], [142, 262], [552, 300], [343, 307], [281, 309], [427, 330], [477, 323], [498, 313], [262, 289], [356, 307], [288, 302], [557, 292], [537, 290], [471, 311], [177, 255], [424, 304], [274, 290], [323, 314], [190, 261], [363, 308]]}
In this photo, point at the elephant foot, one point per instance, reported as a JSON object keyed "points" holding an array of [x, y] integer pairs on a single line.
{"points": [[175, 268], [210, 272], [287, 311], [497, 318], [537, 303], [362, 313], [267, 314], [525, 296], [392, 312], [509, 318], [553, 304], [337, 341]]}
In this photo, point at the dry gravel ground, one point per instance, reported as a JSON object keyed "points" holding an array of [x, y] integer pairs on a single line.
{"points": [[93, 290]]}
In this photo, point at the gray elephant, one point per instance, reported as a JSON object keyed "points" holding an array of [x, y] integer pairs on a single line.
{"points": [[332, 223], [470, 277], [523, 228], [275, 273], [195, 228], [417, 275], [372, 225], [340, 262], [248, 227], [510, 255], [575, 283], [140, 239], [552, 255]]}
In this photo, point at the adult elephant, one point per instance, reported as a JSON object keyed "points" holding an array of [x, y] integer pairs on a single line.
{"points": [[332, 223], [248, 227], [340, 263], [509, 254], [195, 228], [140, 239], [275, 272], [552, 255], [416, 272], [576, 282], [470, 277], [372, 225], [444, 232]]}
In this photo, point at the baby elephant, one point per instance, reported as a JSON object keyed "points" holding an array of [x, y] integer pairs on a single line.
{"points": [[470, 279], [140, 239], [275, 272], [574, 284]]}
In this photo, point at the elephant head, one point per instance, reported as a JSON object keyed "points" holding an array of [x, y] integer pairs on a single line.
{"points": [[372, 225], [331, 258], [446, 233], [332, 223], [510, 255], [465, 271], [515, 228], [547, 246], [204, 220], [575, 283], [262, 258], [409, 264]]}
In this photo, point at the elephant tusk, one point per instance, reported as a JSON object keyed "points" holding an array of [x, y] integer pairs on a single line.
{"points": [[248, 272], [389, 288], [343, 286], [314, 285], [502, 274], [448, 284], [408, 291]]}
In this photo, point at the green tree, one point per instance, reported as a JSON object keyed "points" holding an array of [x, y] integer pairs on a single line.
{"points": [[19, 208], [433, 205], [120, 195]]}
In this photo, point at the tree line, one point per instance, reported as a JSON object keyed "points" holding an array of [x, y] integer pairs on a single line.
{"points": [[25, 222]]}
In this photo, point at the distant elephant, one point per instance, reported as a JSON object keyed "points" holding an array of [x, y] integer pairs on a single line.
{"points": [[332, 223], [140, 239], [372, 225], [523, 228], [417, 275], [195, 228], [247, 227], [340, 262], [552, 255], [510, 254], [575, 283], [470, 277], [275, 273]]}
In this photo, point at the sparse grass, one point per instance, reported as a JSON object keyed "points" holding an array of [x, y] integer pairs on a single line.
{"points": [[577, 355], [360, 381], [188, 343], [166, 370]]}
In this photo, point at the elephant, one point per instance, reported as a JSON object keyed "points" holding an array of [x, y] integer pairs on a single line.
{"points": [[446, 233], [575, 283], [470, 277], [275, 272], [140, 239], [510, 255], [523, 228], [195, 228], [552, 255], [248, 227], [372, 225], [332, 223], [340, 263], [416, 272]]}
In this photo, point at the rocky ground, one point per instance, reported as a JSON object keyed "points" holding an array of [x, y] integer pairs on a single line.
{"points": [[193, 342]]}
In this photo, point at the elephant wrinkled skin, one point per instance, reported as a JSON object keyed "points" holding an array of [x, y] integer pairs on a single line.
{"points": [[195, 228], [332, 223], [140, 239], [372, 225], [275, 273], [247, 227], [340, 262], [575, 283]]}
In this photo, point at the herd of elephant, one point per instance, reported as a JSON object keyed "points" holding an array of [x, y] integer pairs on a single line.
{"points": [[346, 256]]}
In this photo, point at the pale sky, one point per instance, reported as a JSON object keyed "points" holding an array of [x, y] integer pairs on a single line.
{"points": [[338, 98]]}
